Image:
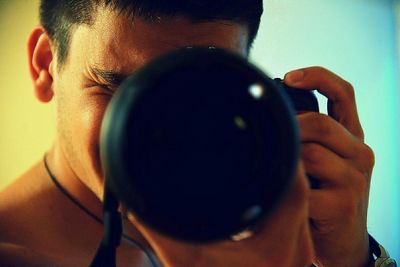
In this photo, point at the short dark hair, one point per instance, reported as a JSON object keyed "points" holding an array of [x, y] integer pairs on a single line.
{"points": [[58, 16]]}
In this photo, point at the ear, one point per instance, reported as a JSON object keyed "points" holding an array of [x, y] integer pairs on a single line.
{"points": [[41, 63]]}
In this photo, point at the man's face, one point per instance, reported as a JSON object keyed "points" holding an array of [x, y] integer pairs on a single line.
{"points": [[100, 56]]}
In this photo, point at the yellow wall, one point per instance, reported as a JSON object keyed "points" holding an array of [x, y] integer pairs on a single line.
{"points": [[26, 125]]}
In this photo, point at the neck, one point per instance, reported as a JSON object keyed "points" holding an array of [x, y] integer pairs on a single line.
{"points": [[77, 189], [60, 168]]}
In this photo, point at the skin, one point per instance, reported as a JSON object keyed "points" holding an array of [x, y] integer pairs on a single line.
{"points": [[81, 96]]}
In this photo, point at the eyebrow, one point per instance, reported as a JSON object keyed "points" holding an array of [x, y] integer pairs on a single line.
{"points": [[110, 77]]}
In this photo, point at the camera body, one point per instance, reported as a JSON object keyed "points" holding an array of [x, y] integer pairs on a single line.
{"points": [[302, 101], [201, 145]]}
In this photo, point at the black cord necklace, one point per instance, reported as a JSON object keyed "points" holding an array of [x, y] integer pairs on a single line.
{"points": [[136, 244], [68, 195]]}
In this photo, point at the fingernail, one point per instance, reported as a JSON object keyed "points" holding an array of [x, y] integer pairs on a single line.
{"points": [[294, 77]]}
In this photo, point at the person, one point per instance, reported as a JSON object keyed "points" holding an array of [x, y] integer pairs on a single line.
{"points": [[80, 53]]}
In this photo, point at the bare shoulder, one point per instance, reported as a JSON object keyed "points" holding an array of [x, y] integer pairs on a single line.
{"points": [[12, 255], [19, 215], [39, 226], [18, 199], [33, 214], [15, 195], [34, 225]]}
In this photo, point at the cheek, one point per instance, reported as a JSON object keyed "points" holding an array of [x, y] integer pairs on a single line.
{"points": [[91, 121]]}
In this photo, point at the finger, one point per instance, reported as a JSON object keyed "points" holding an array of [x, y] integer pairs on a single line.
{"points": [[322, 129], [341, 104], [329, 169]]}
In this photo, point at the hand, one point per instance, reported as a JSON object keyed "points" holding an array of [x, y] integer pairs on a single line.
{"points": [[333, 152]]}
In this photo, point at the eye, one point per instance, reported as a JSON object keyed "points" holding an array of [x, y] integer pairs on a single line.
{"points": [[108, 88]]}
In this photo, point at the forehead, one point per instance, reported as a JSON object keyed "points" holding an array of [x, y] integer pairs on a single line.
{"points": [[120, 43]]}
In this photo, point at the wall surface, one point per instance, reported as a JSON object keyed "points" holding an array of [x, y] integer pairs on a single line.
{"points": [[356, 39], [26, 125]]}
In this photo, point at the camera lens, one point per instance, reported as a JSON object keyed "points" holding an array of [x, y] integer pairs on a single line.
{"points": [[199, 144]]}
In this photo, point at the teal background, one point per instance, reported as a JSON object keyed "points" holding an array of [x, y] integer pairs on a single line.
{"points": [[358, 40]]}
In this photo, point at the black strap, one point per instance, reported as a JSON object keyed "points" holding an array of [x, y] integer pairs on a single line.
{"points": [[106, 253], [374, 246]]}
